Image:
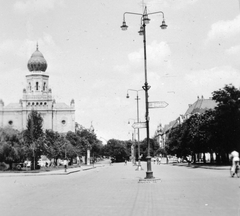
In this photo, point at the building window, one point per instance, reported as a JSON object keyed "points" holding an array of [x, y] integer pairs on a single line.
{"points": [[10, 122], [36, 85]]}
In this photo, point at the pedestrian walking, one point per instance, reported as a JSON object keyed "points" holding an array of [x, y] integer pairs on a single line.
{"points": [[154, 160], [65, 163], [159, 160], [234, 156], [125, 162]]}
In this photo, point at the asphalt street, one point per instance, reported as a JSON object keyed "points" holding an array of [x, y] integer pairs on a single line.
{"points": [[115, 190]]}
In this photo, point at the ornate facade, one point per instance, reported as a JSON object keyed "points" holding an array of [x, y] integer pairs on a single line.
{"points": [[38, 96]]}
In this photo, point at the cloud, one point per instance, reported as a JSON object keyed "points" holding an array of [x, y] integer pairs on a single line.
{"points": [[7, 46], [29, 6], [233, 50], [207, 81], [158, 4], [223, 28], [158, 54]]}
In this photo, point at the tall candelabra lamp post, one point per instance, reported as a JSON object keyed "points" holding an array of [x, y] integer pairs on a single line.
{"points": [[139, 167], [145, 20]]}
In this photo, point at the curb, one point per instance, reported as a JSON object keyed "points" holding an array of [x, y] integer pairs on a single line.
{"points": [[201, 166], [47, 173]]}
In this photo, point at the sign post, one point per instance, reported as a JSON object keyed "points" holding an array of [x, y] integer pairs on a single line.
{"points": [[157, 104], [139, 125]]}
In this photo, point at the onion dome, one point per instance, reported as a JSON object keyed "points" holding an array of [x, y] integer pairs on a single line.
{"points": [[37, 62]]}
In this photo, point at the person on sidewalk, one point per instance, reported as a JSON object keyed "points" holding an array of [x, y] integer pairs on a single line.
{"points": [[65, 163], [235, 161]]}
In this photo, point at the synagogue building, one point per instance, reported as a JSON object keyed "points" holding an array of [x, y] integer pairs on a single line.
{"points": [[37, 95]]}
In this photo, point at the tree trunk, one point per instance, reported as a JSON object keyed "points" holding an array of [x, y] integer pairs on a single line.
{"points": [[218, 158], [211, 158], [194, 157], [204, 158], [10, 165]]}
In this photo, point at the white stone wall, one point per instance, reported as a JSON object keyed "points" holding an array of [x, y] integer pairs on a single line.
{"points": [[58, 120]]}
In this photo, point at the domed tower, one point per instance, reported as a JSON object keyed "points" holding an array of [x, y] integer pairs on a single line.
{"points": [[37, 94], [37, 62]]}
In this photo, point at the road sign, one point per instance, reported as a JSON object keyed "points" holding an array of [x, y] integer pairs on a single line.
{"points": [[139, 125], [157, 104]]}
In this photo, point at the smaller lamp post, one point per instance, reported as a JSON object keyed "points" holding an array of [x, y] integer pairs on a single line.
{"points": [[138, 131], [133, 150]]}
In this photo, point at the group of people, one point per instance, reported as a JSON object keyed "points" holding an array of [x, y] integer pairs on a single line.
{"points": [[158, 159]]}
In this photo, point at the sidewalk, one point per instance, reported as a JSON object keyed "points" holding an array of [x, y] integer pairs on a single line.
{"points": [[200, 165], [50, 172], [195, 165]]}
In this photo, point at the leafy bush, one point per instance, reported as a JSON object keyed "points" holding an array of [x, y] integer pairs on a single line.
{"points": [[3, 166]]}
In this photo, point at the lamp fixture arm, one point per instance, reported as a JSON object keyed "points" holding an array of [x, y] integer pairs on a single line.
{"points": [[156, 13], [131, 13]]}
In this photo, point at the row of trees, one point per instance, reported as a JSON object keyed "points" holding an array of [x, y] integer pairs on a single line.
{"points": [[121, 150], [30, 144], [214, 131]]}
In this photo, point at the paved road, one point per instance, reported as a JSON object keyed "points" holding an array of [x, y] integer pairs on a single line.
{"points": [[114, 190]]}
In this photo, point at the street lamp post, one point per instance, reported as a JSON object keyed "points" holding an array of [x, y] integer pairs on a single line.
{"points": [[138, 131], [145, 20], [133, 151]]}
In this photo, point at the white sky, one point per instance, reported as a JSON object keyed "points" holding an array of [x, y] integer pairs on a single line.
{"points": [[90, 59]]}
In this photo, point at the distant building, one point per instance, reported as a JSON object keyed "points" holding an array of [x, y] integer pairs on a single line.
{"points": [[38, 96], [200, 106]]}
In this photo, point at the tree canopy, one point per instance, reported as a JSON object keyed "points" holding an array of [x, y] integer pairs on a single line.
{"points": [[214, 131]]}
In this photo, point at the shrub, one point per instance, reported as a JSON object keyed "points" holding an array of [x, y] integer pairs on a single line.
{"points": [[3, 166]]}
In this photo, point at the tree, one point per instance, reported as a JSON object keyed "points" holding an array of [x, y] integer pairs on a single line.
{"points": [[227, 119], [116, 149], [87, 140], [33, 137], [153, 148], [76, 142], [54, 145], [11, 150]]}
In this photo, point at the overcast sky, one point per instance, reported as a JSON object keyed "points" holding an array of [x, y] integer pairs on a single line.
{"points": [[91, 60]]}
